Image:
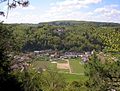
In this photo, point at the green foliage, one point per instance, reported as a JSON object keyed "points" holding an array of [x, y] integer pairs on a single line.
{"points": [[111, 40], [38, 80], [30, 80], [75, 86], [103, 76], [62, 36], [80, 36], [52, 81], [6, 47]]}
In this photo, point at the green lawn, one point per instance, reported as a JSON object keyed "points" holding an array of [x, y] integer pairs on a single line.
{"points": [[63, 70], [73, 77], [76, 66], [44, 65]]}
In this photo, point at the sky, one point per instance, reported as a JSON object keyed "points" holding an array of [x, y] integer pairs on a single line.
{"points": [[54, 10]]}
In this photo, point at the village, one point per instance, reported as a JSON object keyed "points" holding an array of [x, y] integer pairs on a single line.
{"points": [[56, 55], [23, 60]]}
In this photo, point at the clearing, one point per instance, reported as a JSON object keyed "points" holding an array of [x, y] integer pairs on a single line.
{"points": [[71, 69]]}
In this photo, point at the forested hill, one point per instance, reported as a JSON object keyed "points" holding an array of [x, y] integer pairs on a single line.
{"points": [[68, 36], [71, 23]]}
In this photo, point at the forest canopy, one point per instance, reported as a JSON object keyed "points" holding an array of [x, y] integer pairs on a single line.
{"points": [[69, 36]]}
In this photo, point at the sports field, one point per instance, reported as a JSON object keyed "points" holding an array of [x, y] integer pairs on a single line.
{"points": [[72, 69]]}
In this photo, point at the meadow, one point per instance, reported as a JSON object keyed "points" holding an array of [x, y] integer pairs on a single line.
{"points": [[76, 66]]}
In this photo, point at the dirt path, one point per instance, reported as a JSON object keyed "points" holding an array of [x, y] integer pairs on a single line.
{"points": [[70, 71], [66, 65]]}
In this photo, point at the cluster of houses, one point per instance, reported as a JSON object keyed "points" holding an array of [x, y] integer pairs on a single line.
{"points": [[55, 55], [21, 61], [59, 31]]}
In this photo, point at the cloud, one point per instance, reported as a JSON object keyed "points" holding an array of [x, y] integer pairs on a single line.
{"points": [[31, 7], [76, 15], [17, 17], [70, 5], [109, 13], [76, 3], [69, 9], [107, 9], [65, 10], [29, 14]]}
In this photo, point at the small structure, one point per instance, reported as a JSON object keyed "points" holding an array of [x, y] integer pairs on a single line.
{"points": [[88, 54], [85, 58], [20, 62], [55, 56], [80, 54], [59, 31], [43, 52], [53, 62], [70, 55]]}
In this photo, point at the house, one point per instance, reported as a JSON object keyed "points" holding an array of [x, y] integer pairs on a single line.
{"points": [[36, 52], [43, 52], [14, 67], [88, 54], [55, 56], [80, 54], [70, 55], [20, 62], [85, 58]]}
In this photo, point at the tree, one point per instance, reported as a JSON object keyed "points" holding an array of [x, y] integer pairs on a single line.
{"points": [[6, 47], [75, 86], [39, 80], [103, 76], [52, 81], [8, 79], [30, 79]]}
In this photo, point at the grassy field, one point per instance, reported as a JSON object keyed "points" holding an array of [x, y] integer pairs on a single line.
{"points": [[76, 67], [74, 77], [44, 65]]}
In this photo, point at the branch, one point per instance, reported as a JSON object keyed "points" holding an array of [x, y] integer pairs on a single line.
{"points": [[2, 13], [14, 4]]}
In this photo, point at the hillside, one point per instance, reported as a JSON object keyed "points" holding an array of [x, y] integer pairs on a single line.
{"points": [[64, 36], [69, 45], [72, 22]]}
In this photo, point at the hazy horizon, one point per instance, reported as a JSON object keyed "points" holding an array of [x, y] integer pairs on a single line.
{"points": [[60, 21]]}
